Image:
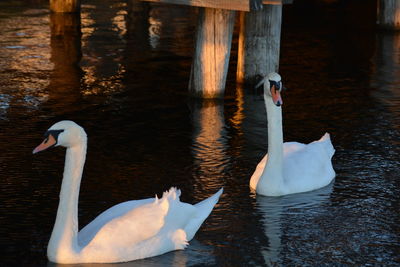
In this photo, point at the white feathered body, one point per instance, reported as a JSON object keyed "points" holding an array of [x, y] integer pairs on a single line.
{"points": [[139, 229], [306, 167]]}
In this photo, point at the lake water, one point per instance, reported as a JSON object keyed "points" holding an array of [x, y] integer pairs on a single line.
{"points": [[125, 81]]}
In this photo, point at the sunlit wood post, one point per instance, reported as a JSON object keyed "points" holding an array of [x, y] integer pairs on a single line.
{"points": [[259, 43], [212, 51], [389, 14], [65, 6]]}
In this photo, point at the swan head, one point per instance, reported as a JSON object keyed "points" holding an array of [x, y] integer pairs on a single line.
{"points": [[64, 133], [275, 88]]}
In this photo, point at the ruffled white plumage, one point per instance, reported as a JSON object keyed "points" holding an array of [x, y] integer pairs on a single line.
{"points": [[143, 228]]}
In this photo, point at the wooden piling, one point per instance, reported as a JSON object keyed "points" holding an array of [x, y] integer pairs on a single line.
{"points": [[65, 6], [389, 14], [212, 51], [259, 43]]}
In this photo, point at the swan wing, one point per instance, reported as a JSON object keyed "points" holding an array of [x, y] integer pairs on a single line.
{"points": [[131, 227], [309, 167], [87, 233], [152, 227], [292, 147]]}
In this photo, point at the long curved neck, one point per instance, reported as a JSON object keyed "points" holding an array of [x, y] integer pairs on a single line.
{"points": [[272, 176], [64, 238]]}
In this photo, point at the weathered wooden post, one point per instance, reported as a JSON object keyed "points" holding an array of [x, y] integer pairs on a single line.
{"points": [[214, 36], [65, 6], [259, 43], [212, 51], [389, 14]]}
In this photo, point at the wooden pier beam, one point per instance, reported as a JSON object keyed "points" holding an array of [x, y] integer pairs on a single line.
{"points": [[212, 51], [259, 43], [389, 14], [65, 6]]}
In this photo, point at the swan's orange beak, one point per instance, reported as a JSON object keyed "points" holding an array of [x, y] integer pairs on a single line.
{"points": [[48, 142], [276, 96]]}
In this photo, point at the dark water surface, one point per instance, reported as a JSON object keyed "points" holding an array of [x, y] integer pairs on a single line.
{"points": [[125, 81]]}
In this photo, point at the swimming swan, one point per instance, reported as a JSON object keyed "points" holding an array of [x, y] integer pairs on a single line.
{"points": [[128, 231], [289, 167]]}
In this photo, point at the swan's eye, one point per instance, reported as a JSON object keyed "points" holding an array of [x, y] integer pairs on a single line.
{"points": [[278, 85], [54, 133], [46, 140], [46, 136]]}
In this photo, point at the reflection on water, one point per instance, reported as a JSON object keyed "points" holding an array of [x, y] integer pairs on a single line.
{"points": [[277, 210], [122, 73], [119, 21], [24, 60], [209, 146], [386, 76], [192, 256], [65, 46], [100, 62], [210, 157], [155, 29]]}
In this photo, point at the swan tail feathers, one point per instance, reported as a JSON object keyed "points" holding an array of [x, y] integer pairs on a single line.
{"points": [[172, 194], [168, 200], [211, 201], [203, 210], [326, 138]]}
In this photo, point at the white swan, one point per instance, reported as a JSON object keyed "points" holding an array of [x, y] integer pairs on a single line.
{"points": [[289, 167], [128, 231]]}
